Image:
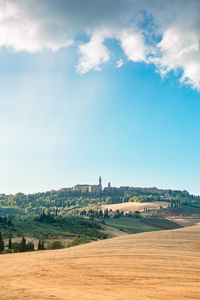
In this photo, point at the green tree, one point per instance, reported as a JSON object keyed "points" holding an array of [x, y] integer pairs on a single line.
{"points": [[30, 246], [100, 213], [1, 243], [56, 245], [16, 246], [117, 214], [136, 214], [39, 245], [106, 215], [10, 243], [83, 212], [23, 245], [42, 245], [79, 240]]}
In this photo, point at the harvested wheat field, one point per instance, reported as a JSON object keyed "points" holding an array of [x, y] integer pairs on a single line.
{"points": [[153, 265], [133, 206]]}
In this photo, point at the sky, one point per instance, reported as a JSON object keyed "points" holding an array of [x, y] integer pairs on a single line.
{"points": [[90, 88]]}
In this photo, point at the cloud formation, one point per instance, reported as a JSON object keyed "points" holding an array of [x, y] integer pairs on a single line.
{"points": [[93, 54], [165, 33]]}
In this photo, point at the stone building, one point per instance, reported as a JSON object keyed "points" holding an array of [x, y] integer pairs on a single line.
{"points": [[87, 188]]}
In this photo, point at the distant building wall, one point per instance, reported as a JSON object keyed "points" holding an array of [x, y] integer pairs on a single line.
{"points": [[85, 188]]}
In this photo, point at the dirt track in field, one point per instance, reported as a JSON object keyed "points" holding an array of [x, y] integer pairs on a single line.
{"points": [[154, 265]]}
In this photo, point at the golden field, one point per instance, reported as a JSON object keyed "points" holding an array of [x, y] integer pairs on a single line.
{"points": [[153, 265], [134, 206]]}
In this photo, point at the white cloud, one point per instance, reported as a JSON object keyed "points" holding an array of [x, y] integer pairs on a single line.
{"points": [[93, 54], [166, 33], [180, 50], [133, 44]]}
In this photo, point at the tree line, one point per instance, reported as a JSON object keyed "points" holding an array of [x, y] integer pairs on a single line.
{"points": [[22, 246]]}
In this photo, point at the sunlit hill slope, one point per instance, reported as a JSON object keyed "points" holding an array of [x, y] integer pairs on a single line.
{"points": [[153, 265]]}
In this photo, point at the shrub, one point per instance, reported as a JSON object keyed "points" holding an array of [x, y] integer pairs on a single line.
{"points": [[79, 240], [30, 246], [6, 251], [137, 214], [56, 245], [16, 246]]}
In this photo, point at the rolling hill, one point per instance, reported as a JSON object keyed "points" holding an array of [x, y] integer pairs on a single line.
{"points": [[151, 265]]}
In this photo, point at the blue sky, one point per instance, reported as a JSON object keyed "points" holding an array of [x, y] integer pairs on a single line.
{"points": [[69, 114]]}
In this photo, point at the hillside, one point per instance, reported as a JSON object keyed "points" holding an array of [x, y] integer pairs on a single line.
{"points": [[66, 201], [152, 265]]}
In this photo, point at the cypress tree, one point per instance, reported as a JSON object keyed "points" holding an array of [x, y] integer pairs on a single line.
{"points": [[39, 245], [10, 243], [1, 243], [23, 245], [30, 246], [42, 245]]}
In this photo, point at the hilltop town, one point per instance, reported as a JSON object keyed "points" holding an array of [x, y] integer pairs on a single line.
{"points": [[98, 189], [72, 200]]}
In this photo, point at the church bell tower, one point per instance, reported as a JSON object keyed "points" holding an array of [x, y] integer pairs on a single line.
{"points": [[100, 183]]}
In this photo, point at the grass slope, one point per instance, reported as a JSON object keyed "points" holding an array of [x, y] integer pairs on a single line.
{"points": [[161, 223], [137, 225], [76, 226], [153, 265], [66, 227], [184, 211]]}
